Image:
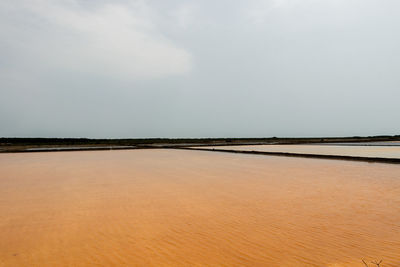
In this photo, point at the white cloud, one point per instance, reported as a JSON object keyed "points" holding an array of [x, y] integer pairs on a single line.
{"points": [[116, 40]]}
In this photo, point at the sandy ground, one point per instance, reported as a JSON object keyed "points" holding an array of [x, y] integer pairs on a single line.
{"points": [[195, 208]]}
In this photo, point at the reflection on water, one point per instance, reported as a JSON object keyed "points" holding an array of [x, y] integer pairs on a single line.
{"points": [[195, 208], [340, 150], [382, 143]]}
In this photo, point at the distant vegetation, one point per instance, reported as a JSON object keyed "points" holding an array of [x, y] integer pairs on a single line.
{"points": [[144, 141]]}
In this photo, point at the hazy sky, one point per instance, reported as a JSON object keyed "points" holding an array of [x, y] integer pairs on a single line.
{"points": [[156, 68]]}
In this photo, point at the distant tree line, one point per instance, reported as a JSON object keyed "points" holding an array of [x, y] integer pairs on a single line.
{"points": [[144, 141]]}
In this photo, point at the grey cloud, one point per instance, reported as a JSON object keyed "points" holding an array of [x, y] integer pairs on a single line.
{"points": [[225, 68]]}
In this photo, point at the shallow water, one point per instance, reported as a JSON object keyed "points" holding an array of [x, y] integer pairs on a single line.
{"points": [[195, 208], [339, 150], [381, 143]]}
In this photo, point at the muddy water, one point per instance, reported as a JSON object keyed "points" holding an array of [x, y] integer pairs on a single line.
{"points": [[195, 208], [339, 150]]}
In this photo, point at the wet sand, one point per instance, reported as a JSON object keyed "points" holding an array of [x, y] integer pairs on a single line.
{"points": [[195, 208]]}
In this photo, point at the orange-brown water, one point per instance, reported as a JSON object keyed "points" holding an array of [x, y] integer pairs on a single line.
{"points": [[195, 208]]}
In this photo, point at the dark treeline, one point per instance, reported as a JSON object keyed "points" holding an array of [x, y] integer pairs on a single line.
{"points": [[145, 141]]}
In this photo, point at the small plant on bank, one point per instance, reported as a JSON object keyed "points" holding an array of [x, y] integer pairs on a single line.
{"points": [[378, 264]]}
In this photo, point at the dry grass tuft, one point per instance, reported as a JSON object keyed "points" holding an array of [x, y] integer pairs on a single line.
{"points": [[378, 264]]}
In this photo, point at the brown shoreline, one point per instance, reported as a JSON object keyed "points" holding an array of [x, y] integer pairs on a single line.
{"points": [[280, 154], [14, 144]]}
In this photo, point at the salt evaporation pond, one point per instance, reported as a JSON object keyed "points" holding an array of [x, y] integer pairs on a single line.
{"points": [[195, 208], [380, 151]]}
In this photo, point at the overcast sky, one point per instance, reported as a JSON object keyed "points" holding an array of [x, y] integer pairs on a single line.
{"points": [[237, 68]]}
